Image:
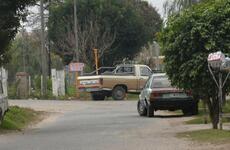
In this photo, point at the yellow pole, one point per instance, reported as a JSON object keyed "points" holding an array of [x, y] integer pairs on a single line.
{"points": [[96, 59]]}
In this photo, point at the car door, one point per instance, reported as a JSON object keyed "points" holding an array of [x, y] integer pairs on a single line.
{"points": [[145, 72], [145, 90], [126, 75]]}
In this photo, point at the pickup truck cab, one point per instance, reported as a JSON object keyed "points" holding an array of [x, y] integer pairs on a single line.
{"points": [[3, 103], [126, 78]]}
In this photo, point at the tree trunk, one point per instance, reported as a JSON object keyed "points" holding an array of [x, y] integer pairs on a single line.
{"points": [[213, 105]]}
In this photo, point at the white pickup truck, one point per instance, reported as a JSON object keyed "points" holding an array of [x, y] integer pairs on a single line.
{"points": [[3, 102], [126, 78]]}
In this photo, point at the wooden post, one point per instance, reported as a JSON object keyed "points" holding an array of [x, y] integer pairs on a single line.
{"points": [[96, 59]]}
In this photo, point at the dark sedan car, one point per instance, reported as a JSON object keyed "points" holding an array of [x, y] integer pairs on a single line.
{"points": [[158, 94]]}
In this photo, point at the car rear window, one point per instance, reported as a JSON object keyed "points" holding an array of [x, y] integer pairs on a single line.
{"points": [[161, 82]]}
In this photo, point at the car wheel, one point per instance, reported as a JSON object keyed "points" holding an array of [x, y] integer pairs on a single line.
{"points": [[150, 110], [141, 109], [118, 93], [97, 96]]}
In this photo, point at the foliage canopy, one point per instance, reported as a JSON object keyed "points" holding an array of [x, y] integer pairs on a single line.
{"points": [[11, 12], [188, 39], [133, 24]]}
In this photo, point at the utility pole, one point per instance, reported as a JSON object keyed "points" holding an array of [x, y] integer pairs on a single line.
{"points": [[43, 52], [49, 48], [24, 49], [76, 54]]}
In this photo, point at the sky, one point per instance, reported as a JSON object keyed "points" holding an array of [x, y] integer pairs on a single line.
{"points": [[158, 4]]}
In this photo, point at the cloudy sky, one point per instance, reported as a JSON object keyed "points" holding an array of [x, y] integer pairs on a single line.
{"points": [[158, 4]]}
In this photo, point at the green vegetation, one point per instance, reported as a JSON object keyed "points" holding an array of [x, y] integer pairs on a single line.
{"points": [[175, 6], [118, 28], [12, 12], [211, 135], [187, 39], [18, 118], [132, 96], [199, 119]]}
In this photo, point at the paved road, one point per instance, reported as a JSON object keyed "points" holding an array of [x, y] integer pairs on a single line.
{"points": [[107, 125]]}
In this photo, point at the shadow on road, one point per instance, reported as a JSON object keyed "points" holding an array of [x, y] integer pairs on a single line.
{"points": [[170, 116]]}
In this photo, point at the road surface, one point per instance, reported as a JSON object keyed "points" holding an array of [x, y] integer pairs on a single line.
{"points": [[101, 125]]}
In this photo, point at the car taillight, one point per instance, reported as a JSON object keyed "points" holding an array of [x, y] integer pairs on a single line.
{"points": [[189, 93], [155, 95]]}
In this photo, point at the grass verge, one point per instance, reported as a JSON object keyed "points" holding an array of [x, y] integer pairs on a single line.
{"points": [[19, 118], [208, 135], [199, 119]]}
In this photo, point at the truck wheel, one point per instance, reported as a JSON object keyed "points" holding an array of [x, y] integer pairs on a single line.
{"points": [[141, 109], [150, 110], [97, 96], [118, 93]]}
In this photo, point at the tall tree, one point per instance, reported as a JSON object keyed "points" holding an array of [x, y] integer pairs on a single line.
{"points": [[117, 28], [11, 13], [187, 40], [25, 54], [172, 7]]}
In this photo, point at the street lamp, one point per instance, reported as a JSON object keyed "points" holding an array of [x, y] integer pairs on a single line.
{"points": [[218, 62]]}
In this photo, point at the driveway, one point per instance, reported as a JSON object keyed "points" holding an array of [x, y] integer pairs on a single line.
{"points": [[101, 125]]}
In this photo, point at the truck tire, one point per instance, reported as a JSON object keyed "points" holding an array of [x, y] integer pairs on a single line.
{"points": [[97, 96], [119, 93], [150, 111], [141, 109]]}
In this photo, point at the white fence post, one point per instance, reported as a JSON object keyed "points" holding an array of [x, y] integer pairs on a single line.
{"points": [[61, 82], [54, 83], [4, 78]]}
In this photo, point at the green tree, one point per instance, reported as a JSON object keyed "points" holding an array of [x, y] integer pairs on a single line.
{"points": [[11, 13], [172, 7], [187, 40], [121, 28], [25, 55]]}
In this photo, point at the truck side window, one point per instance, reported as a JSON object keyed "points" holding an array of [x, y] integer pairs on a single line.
{"points": [[145, 71], [120, 70], [125, 70], [128, 70]]}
